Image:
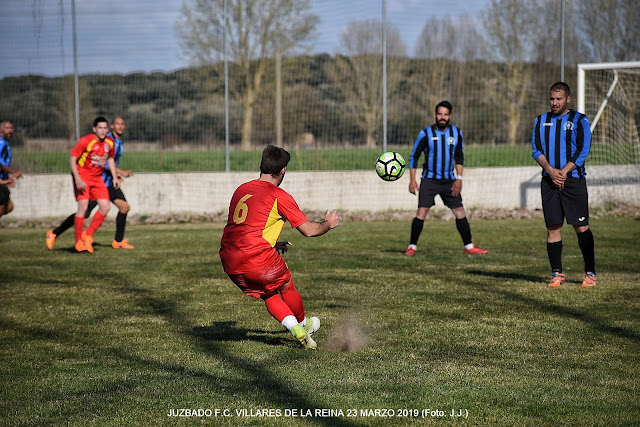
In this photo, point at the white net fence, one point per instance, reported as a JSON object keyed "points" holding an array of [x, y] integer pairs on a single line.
{"points": [[321, 96]]}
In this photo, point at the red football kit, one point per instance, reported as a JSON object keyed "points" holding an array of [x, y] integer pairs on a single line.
{"points": [[257, 214], [92, 155]]}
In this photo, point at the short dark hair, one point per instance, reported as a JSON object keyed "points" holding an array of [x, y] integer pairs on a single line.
{"points": [[274, 159], [445, 104], [561, 86], [99, 119]]}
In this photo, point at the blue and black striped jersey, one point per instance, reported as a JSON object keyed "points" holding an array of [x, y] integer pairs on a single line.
{"points": [[442, 150], [5, 157], [118, 151], [562, 140]]}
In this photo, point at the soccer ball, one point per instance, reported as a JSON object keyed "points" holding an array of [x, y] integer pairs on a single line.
{"points": [[390, 166]]}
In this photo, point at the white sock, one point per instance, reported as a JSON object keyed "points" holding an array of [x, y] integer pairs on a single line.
{"points": [[469, 246], [289, 322], [414, 247]]}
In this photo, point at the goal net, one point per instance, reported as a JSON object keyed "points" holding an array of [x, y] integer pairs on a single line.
{"points": [[609, 94]]}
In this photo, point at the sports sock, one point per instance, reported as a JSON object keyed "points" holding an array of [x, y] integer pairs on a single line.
{"points": [[464, 229], [587, 246], [554, 251], [65, 225], [278, 308], [293, 299], [90, 208], [96, 222], [78, 224], [121, 222], [416, 230], [289, 322]]}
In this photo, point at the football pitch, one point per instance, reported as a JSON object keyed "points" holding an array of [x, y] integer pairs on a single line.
{"points": [[160, 336]]}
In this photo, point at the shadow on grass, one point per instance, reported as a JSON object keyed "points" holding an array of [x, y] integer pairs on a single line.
{"points": [[229, 331], [550, 308], [264, 378], [506, 275]]}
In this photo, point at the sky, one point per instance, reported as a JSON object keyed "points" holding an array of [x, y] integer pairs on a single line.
{"points": [[127, 36]]}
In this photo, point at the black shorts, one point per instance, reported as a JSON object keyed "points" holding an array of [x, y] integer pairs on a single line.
{"points": [[572, 202], [430, 188], [4, 197], [115, 193]]}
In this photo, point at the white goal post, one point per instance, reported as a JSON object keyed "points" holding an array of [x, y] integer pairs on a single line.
{"points": [[614, 67], [609, 94]]}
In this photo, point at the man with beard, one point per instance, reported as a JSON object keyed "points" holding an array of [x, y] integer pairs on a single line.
{"points": [[8, 175], [443, 148], [560, 143]]}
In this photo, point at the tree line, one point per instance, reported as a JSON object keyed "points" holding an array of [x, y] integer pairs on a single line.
{"points": [[187, 106], [495, 69]]}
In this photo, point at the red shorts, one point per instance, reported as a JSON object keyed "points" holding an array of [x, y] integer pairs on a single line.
{"points": [[273, 276], [95, 188]]}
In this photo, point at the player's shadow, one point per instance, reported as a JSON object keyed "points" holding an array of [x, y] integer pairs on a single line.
{"points": [[505, 275], [554, 308], [72, 249], [229, 331]]}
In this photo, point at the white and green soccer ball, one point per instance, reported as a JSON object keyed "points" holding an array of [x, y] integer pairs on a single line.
{"points": [[390, 166]]}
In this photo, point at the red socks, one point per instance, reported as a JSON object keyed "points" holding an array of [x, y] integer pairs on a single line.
{"points": [[78, 226], [287, 303], [277, 308], [293, 299], [96, 222]]}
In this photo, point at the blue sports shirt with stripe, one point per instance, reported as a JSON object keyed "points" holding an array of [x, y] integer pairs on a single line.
{"points": [[562, 139], [443, 149], [118, 151], [5, 157]]}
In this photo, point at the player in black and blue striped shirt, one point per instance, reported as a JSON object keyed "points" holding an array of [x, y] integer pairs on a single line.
{"points": [[443, 146], [560, 143]]}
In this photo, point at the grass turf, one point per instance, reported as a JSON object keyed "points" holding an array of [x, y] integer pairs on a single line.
{"points": [[125, 337]]}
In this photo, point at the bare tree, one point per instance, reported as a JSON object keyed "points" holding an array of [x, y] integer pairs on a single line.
{"points": [[254, 30], [448, 37], [511, 28], [446, 43], [357, 74], [610, 30]]}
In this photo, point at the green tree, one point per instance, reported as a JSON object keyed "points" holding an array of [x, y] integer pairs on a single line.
{"points": [[66, 107]]}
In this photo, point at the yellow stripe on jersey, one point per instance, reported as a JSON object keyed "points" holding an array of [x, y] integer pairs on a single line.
{"points": [[82, 160], [274, 225]]}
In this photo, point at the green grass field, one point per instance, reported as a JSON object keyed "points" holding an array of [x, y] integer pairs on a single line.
{"points": [[206, 161], [127, 337]]}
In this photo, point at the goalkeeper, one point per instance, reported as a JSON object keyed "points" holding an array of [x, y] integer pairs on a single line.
{"points": [[443, 147]]}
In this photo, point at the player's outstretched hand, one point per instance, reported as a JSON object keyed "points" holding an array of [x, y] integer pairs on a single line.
{"points": [[282, 247], [332, 218]]}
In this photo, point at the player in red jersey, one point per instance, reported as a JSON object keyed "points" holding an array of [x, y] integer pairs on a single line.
{"points": [[88, 160], [249, 249]]}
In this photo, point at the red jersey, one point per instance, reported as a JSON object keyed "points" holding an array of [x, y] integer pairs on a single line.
{"points": [[257, 214], [92, 154]]}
